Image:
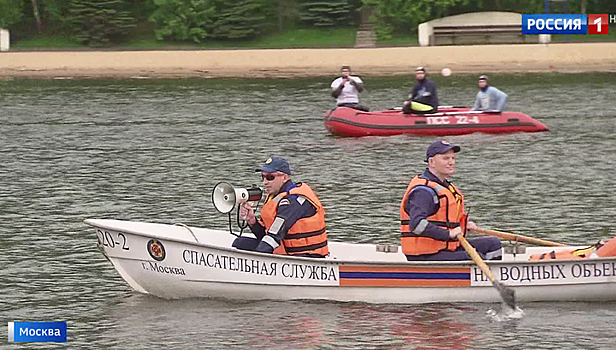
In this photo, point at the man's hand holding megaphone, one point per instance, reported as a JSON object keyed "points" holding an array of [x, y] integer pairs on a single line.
{"points": [[247, 212]]}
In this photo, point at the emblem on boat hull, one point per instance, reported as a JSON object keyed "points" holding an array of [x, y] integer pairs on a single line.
{"points": [[156, 250]]}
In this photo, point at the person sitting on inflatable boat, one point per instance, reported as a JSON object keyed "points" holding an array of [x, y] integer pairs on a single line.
{"points": [[346, 89], [292, 219], [423, 98], [489, 98], [432, 213]]}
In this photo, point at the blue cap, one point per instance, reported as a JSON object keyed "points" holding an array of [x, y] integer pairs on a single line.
{"points": [[440, 147], [274, 164]]}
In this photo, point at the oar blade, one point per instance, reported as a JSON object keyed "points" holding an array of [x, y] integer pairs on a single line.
{"points": [[506, 293]]}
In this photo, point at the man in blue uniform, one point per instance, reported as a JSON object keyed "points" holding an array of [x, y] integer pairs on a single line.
{"points": [[292, 219], [432, 213], [424, 98]]}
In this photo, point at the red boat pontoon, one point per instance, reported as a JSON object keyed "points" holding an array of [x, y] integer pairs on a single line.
{"points": [[344, 121]]}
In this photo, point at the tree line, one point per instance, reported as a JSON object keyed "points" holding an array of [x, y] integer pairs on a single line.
{"points": [[109, 22], [400, 16]]}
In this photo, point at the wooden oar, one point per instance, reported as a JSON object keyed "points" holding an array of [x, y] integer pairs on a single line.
{"points": [[506, 293], [519, 238]]}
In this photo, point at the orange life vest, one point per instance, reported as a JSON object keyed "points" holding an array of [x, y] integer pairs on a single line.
{"points": [[608, 249], [307, 235], [563, 254], [602, 250], [450, 214]]}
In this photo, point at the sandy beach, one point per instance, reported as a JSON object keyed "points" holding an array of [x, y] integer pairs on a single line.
{"points": [[569, 57]]}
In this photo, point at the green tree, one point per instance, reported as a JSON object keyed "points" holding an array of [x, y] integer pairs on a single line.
{"points": [[521, 6], [392, 16], [51, 19], [11, 12], [403, 16], [285, 10], [35, 12], [141, 9], [325, 13], [593, 6], [239, 19], [183, 19], [55, 11], [99, 22]]}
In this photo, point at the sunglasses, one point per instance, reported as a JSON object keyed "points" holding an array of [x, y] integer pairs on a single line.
{"points": [[268, 177]]}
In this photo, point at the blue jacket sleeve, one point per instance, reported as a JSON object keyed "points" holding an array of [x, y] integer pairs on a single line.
{"points": [[290, 209], [501, 99], [413, 94], [477, 104], [433, 95], [419, 206], [258, 230]]}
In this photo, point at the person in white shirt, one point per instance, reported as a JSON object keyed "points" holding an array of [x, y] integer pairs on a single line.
{"points": [[346, 89]]}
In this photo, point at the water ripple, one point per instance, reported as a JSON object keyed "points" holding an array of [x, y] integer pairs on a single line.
{"points": [[152, 150]]}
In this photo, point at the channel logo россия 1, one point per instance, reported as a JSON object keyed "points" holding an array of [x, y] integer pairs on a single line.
{"points": [[567, 24]]}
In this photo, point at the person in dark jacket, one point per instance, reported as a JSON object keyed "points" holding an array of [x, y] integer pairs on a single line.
{"points": [[292, 220], [432, 213], [424, 98]]}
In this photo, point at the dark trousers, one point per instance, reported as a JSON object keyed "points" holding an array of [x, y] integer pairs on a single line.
{"points": [[489, 248], [249, 243], [354, 106]]}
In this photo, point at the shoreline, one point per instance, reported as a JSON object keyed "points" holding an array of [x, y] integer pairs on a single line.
{"points": [[285, 63]]}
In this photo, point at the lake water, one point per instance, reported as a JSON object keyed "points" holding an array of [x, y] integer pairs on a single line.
{"points": [[152, 150]]}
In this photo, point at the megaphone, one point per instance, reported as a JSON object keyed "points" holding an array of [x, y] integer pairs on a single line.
{"points": [[225, 197]]}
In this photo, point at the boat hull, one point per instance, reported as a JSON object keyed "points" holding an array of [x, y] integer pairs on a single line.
{"points": [[188, 267], [350, 122]]}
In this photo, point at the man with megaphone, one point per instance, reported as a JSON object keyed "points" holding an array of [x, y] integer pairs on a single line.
{"points": [[292, 219]]}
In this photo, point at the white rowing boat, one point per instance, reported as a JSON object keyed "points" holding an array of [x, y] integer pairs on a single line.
{"points": [[177, 261]]}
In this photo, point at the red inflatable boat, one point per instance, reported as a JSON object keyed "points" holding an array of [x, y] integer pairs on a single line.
{"points": [[344, 121]]}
